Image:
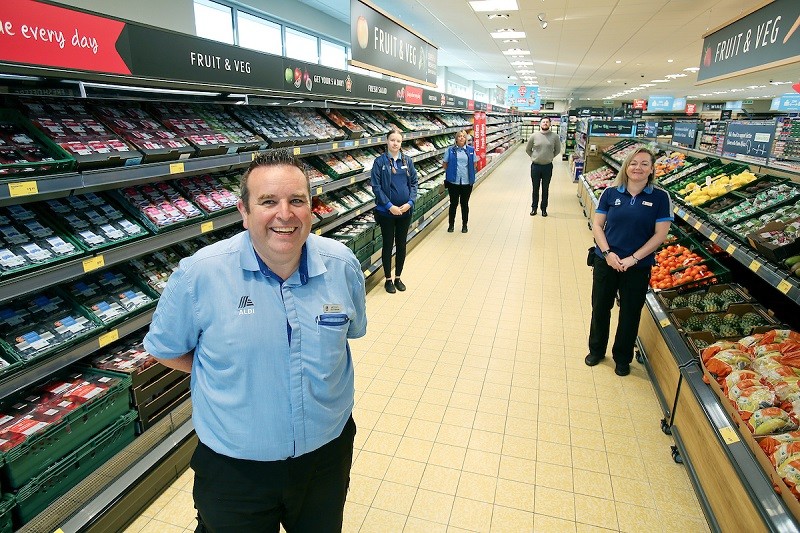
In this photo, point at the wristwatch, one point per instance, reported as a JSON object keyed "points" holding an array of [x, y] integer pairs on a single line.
{"points": [[606, 252]]}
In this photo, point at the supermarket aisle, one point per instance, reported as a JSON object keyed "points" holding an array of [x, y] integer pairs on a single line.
{"points": [[475, 411]]}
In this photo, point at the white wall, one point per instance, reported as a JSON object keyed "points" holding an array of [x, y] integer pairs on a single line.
{"points": [[301, 14]]}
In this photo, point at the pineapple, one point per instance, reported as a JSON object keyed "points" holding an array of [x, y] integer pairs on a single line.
{"points": [[678, 301], [694, 323], [726, 330]]}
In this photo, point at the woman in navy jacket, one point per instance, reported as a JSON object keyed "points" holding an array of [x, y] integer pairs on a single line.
{"points": [[459, 164], [394, 183]]}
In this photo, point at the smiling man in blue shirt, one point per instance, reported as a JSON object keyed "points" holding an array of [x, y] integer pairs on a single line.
{"points": [[261, 320]]}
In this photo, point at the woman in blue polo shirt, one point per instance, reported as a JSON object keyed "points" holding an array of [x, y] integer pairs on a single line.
{"points": [[394, 184], [459, 165], [631, 221]]}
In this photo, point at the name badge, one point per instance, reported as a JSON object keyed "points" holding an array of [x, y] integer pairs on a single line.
{"points": [[331, 308], [648, 203]]}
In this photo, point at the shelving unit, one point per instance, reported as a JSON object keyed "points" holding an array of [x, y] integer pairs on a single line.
{"points": [[712, 136]]}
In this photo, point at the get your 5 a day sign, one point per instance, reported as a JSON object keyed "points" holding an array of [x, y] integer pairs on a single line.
{"points": [[765, 38]]}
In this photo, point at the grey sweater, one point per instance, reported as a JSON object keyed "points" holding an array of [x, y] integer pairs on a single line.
{"points": [[543, 147]]}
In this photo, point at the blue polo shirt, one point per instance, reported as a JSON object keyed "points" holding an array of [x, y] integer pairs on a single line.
{"points": [[631, 220], [258, 393]]}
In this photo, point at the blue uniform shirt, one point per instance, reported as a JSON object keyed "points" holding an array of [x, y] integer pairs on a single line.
{"points": [[258, 393], [462, 177], [631, 220]]}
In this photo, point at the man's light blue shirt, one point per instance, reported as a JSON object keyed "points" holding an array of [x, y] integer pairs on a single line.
{"points": [[258, 393], [462, 178]]}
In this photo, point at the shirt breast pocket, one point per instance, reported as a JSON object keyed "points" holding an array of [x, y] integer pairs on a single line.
{"points": [[332, 349]]}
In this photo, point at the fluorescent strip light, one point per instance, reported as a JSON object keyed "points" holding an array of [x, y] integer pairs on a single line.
{"points": [[494, 5], [517, 51], [508, 34]]}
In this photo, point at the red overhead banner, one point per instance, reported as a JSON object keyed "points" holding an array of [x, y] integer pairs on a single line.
{"points": [[691, 109], [640, 104], [42, 34], [413, 95]]}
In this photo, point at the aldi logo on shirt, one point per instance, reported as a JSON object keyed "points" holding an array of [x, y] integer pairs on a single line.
{"points": [[246, 306]]}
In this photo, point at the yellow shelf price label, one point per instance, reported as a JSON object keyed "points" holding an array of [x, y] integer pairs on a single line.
{"points": [[730, 249], [352, 181], [784, 286], [358, 212], [205, 227], [253, 156], [319, 190], [366, 273], [729, 435], [23, 188], [713, 236], [754, 265], [296, 150], [355, 143], [107, 338], [664, 322], [335, 146], [698, 224], [176, 168], [93, 263], [318, 231]]}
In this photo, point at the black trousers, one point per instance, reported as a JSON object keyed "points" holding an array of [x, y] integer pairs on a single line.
{"points": [[305, 493], [459, 194], [395, 233], [632, 287], [540, 179]]}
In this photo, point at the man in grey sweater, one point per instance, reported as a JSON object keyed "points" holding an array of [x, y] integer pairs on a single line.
{"points": [[543, 146]]}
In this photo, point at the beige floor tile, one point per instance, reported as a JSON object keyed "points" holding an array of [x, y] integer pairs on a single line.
{"points": [[417, 525], [447, 455], [625, 466], [680, 523], [364, 418], [517, 469], [371, 464], [373, 402], [405, 471], [481, 462], [380, 521], [179, 511], [459, 417], [486, 441], [471, 387], [678, 501], [430, 412], [416, 377], [633, 519], [354, 514], [453, 435], [592, 483], [401, 407], [409, 391], [389, 423], [489, 422], [554, 476], [462, 400], [162, 500], [520, 427], [515, 494], [555, 503], [550, 524], [554, 453], [633, 491], [595, 512], [501, 391], [432, 506], [382, 387], [556, 433], [522, 447], [444, 382], [137, 524], [523, 410], [586, 438], [422, 429], [383, 443], [477, 487], [157, 526], [440, 479], [185, 480], [471, 515], [394, 497], [362, 489], [505, 520], [497, 406]]}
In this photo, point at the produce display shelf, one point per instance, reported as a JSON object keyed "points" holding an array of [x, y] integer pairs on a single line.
{"points": [[611, 161], [17, 286], [28, 375], [766, 270], [16, 190], [350, 215]]}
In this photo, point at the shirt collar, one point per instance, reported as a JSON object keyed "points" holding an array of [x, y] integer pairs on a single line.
{"points": [[250, 260], [646, 190]]}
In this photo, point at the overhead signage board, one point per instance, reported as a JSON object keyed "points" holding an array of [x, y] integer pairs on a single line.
{"points": [[749, 140], [764, 38], [786, 102], [733, 105], [379, 42], [684, 133], [93, 47], [523, 97], [612, 128]]}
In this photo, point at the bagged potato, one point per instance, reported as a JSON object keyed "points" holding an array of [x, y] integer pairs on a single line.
{"points": [[713, 349], [771, 420], [736, 376], [785, 452], [748, 400], [726, 361], [789, 470], [772, 369], [786, 388], [771, 443]]}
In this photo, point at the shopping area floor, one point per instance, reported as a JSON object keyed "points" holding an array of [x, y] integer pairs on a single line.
{"points": [[475, 411]]}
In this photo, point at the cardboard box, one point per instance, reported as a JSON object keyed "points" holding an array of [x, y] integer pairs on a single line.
{"points": [[773, 252]]}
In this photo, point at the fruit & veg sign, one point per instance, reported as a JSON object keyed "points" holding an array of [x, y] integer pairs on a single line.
{"points": [[381, 43], [764, 38]]}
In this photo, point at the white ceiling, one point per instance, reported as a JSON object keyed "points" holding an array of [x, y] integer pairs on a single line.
{"points": [[576, 56]]}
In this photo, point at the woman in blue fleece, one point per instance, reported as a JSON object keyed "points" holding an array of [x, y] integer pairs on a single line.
{"points": [[394, 183]]}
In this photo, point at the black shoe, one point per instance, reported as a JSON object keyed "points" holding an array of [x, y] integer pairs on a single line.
{"points": [[450, 228], [399, 285], [544, 213], [389, 286], [592, 360], [533, 212], [464, 229], [622, 369]]}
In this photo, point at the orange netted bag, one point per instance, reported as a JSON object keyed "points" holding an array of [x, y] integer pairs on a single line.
{"points": [[777, 336], [736, 376], [771, 369], [789, 470], [771, 420], [749, 399], [770, 444], [790, 353], [785, 451], [726, 361], [713, 349]]}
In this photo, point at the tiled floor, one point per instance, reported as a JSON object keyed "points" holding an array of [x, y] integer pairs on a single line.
{"points": [[475, 411]]}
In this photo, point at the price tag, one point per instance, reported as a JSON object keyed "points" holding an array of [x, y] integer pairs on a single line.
{"points": [[335, 146], [784, 286], [352, 181], [681, 212], [698, 225], [730, 249], [319, 190], [253, 158], [23, 188], [729, 435], [664, 322], [358, 212], [355, 143], [366, 273], [318, 231], [713, 236], [205, 227], [176, 168], [93, 263], [108, 338], [754, 265], [296, 150]]}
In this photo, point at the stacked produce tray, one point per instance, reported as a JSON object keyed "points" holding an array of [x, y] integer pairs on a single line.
{"points": [[112, 295], [158, 206], [26, 150], [188, 123], [685, 264]]}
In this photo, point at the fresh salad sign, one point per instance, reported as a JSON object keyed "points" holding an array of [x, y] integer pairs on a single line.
{"points": [[764, 38]]}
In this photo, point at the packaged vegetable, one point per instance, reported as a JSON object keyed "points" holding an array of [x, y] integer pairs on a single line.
{"points": [[726, 361], [771, 420], [748, 400], [771, 443]]}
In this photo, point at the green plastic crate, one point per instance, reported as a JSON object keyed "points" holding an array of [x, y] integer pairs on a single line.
{"points": [[7, 503], [57, 480], [62, 161], [33, 456]]}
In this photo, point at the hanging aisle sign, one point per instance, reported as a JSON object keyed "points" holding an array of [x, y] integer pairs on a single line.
{"points": [[764, 38], [381, 43], [749, 140], [523, 97], [479, 139]]}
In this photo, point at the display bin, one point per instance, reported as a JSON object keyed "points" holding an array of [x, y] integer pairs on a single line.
{"points": [[33, 456], [152, 397], [685, 173], [666, 297], [157, 221], [61, 160], [698, 340], [7, 503], [774, 252], [31, 255], [163, 405], [42, 490], [725, 221], [680, 316], [331, 166], [710, 171], [9, 363], [365, 252]]}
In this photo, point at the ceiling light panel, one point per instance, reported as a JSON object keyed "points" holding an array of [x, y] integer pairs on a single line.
{"points": [[508, 34], [521, 63], [494, 5], [517, 51]]}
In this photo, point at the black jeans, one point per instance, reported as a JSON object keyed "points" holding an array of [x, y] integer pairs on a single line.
{"points": [[305, 493], [459, 194], [632, 287], [540, 176], [395, 233]]}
